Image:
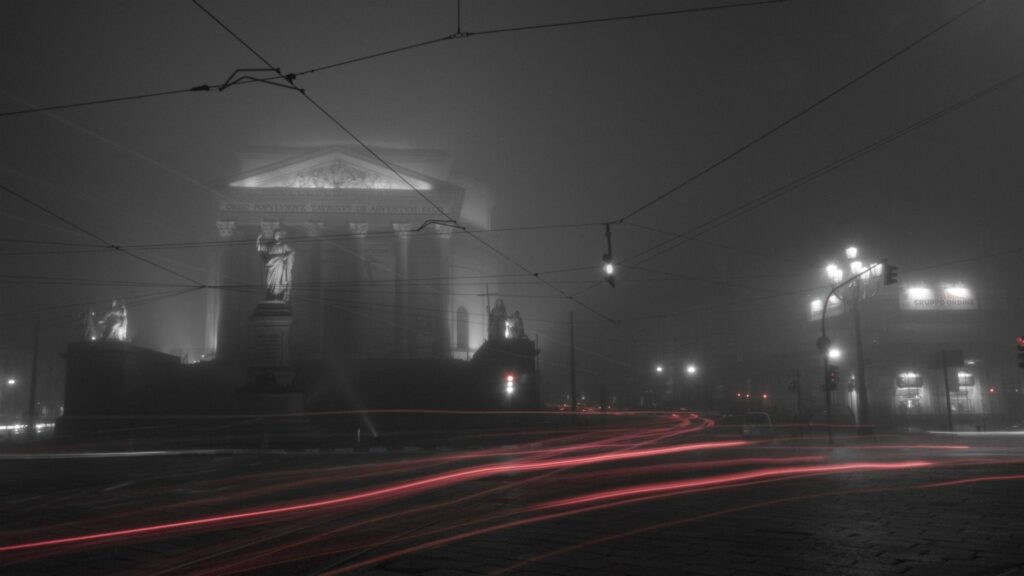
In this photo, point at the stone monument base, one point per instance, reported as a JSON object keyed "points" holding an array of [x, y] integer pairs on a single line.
{"points": [[270, 368]]}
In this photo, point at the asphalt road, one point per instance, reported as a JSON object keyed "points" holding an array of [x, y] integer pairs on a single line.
{"points": [[665, 497]]}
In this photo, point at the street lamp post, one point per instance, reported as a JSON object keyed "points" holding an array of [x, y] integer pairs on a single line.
{"points": [[835, 273]]}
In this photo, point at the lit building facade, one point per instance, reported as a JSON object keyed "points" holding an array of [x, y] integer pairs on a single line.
{"points": [[920, 338], [379, 272]]}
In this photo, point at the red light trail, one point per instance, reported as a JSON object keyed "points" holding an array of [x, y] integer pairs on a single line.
{"points": [[401, 489]]}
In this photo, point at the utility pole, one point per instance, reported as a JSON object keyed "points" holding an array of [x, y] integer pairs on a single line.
{"points": [[945, 377], [32, 384], [863, 418], [572, 365]]}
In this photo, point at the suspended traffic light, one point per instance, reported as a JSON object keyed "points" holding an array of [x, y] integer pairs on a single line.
{"points": [[889, 273], [609, 266], [609, 270]]}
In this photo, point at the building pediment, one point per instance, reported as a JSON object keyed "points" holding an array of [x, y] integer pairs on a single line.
{"points": [[332, 169]]}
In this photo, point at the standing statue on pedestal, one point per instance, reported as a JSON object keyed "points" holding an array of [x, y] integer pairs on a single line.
{"points": [[115, 322], [517, 326], [496, 325], [278, 258]]}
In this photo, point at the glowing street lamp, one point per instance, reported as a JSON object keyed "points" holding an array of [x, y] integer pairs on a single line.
{"points": [[11, 381], [835, 273], [659, 368], [691, 369], [851, 252], [835, 353]]}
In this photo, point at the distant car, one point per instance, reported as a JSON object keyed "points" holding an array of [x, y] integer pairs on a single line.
{"points": [[757, 424]]}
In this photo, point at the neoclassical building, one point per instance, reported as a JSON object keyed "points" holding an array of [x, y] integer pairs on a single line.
{"points": [[379, 272]]}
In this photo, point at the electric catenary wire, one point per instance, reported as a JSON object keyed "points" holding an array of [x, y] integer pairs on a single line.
{"points": [[398, 174], [110, 245], [835, 92], [210, 87]]}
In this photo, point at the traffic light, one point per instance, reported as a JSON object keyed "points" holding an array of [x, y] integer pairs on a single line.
{"points": [[1020, 351], [609, 270], [609, 267], [832, 378], [889, 273]]}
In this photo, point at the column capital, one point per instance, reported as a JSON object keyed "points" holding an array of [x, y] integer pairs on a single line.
{"points": [[267, 227], [359, 228], [403, 228], [227, 228], [314, 227], [442, 231]]}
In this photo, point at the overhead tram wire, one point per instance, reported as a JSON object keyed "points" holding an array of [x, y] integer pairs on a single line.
{"points": [[800, 181], [693, 232], [802, 112], [110, 245], [209, 87], [88, 247], [145, 298], [699, 240], [719, 220], [822, 288], [399, 175]]}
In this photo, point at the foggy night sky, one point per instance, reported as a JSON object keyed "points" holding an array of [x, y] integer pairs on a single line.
{"points": [[563, 126]]}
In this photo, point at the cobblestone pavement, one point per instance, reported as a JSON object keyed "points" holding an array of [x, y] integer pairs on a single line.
{"points": [[963, 516]]}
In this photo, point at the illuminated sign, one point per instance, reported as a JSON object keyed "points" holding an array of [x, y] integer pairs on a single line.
{"points": [[942, 297]]}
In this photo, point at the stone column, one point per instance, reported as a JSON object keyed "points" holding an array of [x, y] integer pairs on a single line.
{"points": [[218, 275], [312, 258], [445, 318], [403, 231], [363, 318]]}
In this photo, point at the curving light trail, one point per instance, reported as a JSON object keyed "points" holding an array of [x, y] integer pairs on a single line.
{"points": [[400, 489]]}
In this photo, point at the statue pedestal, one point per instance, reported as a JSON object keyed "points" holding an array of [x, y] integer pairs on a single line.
{"points": [[270, 368]]}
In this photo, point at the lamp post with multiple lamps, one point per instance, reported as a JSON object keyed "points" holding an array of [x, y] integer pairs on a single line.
{"points": [[857, 291]]}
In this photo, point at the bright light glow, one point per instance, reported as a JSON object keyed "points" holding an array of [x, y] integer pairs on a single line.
{"points": [[609, 268], [963, 374], [851, 252], [691, 369], [816, 305], [856, 267], [969, 362], [909, 375], [835, 273], [510, 384], [764, 396], [659, 369], [919, 292], [835, 353], [958, 292], [991, 390], [11, 381]]}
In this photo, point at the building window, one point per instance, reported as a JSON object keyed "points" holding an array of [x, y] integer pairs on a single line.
{"points": [[462, 328]]}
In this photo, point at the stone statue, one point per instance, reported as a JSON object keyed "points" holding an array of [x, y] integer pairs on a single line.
{"points": [[517, 326], [496, 324], [93, 330], [115, 323], [278, 258]]}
